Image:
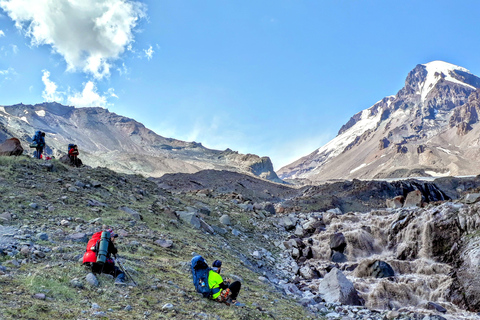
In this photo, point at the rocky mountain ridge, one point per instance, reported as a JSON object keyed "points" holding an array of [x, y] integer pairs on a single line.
{"points": [[429, 128], [119, 143]]}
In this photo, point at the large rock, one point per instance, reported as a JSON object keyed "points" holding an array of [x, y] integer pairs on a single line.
{"points": [[206, 227], [381, 269], [338, 242], [78, 237], [336, 288], [11, 147], [395, 203], [414, 199], [288, 222], [190, 217], [135, 215]]}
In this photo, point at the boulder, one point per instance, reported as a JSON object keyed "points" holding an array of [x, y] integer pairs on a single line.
{"points": [[338, 242], [395, 203], [338, 257], [225, 220], [11, 147], [78, 237], [164, 243], [92, 280], [309, 272], [381, 269], [336, 288], [299, 232], [414, 199], [189, 217], [287, 222], [472, 198], [66, 160], [135, 215], [206, 227], [291, 289]]}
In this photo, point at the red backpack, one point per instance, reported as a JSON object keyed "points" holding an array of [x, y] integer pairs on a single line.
{"points": [[91, 255]]}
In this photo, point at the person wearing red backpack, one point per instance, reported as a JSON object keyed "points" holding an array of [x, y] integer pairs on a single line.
{"points": [[90, 257]]}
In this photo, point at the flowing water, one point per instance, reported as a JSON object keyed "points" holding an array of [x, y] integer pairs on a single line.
{"points": [[413, 242]]}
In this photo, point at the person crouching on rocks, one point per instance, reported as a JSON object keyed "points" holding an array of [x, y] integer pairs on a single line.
{"points": [[229, 291], [73, 155], [99, 253]]}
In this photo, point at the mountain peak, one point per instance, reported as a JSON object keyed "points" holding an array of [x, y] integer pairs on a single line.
{"points": [[441, 70]]}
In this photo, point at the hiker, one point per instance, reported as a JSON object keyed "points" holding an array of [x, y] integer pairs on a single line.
{"points": [[94, 255], [39, 142], [229, 290], [73, 154]]}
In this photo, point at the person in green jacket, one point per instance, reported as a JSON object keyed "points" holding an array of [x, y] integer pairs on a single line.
{"points": [[228, 291]]}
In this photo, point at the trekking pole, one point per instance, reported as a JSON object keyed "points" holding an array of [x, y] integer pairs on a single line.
{"points": [[124, 270]]}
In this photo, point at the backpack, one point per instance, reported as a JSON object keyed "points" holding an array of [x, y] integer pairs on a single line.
{"points": [[36, 137], [200, 271], [90, 255], [70, 146]]}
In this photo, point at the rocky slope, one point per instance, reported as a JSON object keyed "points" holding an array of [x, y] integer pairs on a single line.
{"points": [[429, 128], [122, 144], [289, 262]]}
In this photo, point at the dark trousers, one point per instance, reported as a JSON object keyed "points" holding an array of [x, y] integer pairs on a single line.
{"points": [[234, 289], [39, 152], [108, 268]]}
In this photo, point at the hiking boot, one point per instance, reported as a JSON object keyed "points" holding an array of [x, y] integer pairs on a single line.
{"points": [[119, 282]]}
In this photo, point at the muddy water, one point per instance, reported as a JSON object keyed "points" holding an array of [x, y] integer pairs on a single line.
{"points": [[408, 240]]}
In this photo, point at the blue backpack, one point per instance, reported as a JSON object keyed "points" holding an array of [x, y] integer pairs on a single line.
{"points": [[70, 146], [36, 137], [200, 271]]}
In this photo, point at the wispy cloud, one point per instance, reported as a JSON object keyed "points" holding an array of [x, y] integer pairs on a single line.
{"points": [[50, 93], [149, 53], [2, 34], [89, 34]]}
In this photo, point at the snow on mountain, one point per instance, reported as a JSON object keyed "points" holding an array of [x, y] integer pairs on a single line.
{"points": [[368, 120], [437, 70], [406, 134]]}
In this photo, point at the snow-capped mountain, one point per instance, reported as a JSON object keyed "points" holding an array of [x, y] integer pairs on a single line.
{"points": [[429, 128], [119, 143]]}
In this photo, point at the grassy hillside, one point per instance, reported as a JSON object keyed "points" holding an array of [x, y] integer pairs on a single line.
{"points": [[43, 279]]}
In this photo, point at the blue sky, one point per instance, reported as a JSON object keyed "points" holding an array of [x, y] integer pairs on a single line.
{"points": [[273, 78]]}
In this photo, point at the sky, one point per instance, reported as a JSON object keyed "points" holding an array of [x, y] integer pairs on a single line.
{"points": [[275, 78]]}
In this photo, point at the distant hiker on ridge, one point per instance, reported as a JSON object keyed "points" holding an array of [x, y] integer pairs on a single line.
{"points": [[38, 143], [73, 154], [100, 248]]}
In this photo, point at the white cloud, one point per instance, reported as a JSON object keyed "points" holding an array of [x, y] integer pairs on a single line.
{"points": [[111, 92], [14, 48], [89, 34], [149, 53], [50, 93], [7, 72], [88, 97], [2, 34]]}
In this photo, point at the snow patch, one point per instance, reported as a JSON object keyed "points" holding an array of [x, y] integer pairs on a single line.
{"points": [[444, 150], [359, 167], [437, 174], [24, 119], [340, 142], [2, 109], [434, 71], [40, 113]]}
